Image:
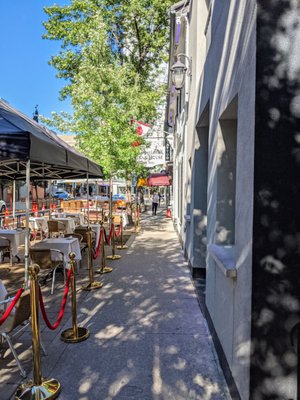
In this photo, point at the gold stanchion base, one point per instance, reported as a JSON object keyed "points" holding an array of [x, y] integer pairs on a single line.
{"points": [[69, 337], [122, 247], [48, 389], [115, 257], [92, 286], [104, 270]]}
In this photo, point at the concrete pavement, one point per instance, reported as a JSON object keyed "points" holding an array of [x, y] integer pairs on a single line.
{"points": [[148, 337]]}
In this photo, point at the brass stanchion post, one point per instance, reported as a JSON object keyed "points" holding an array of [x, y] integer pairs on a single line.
{"points": [[38, 388], [138, 216], [92, 284], [113, 256], [104, 269], [122, 246], [134, 213], [136, 219], [75, 334]]}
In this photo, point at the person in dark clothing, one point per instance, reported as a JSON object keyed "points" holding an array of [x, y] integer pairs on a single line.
{"points": [[155, 201]]}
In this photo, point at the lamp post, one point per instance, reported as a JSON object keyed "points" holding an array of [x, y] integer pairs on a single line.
{"points": [[179, 71]]}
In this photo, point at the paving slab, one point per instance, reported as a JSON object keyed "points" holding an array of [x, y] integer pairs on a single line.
{"points": [[148, 337]]}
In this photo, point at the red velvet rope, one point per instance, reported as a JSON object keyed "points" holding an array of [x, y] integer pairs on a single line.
{"points": [[63, 304], [108, 239], [11, 306], [117, 234], [96, 253]]}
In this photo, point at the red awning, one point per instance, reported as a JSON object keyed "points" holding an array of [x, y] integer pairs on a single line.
{"points": [[158, 180]]}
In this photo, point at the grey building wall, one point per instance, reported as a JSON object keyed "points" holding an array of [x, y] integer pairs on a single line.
{"points": [[226, 101], [238, 154], [276, 232], [197, 145]]}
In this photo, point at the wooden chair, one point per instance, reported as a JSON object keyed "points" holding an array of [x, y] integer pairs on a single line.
{"points": [[55, 228], [49, 260]]}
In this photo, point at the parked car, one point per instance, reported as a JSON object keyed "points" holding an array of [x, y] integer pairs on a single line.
{"points": [[116, 197], [2, 206], [62, 195]]}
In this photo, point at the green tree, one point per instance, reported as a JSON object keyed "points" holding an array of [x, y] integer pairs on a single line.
{"points": [[110, 57]]}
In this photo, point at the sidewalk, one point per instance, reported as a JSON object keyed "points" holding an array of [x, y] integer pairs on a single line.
{"points": [[148, 338]]}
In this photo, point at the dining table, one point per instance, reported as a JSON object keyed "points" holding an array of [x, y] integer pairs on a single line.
{"points": [[68, 222], [16, 238], [65, 245], [95, 228], [78, 217]]}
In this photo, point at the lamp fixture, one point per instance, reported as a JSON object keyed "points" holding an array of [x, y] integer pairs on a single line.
{"points": [[179, 71]]}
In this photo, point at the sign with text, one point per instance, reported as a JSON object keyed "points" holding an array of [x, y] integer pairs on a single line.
{"points": [[154, 153]]}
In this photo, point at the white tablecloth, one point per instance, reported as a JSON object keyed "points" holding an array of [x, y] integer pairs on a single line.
{"points": [[69, 224], [38, 223], [124, 217], [95, 228], [78, 217], [16, 237], [65, 245], [58, 215], [125, 220]]}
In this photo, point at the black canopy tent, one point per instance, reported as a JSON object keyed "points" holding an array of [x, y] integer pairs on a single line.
{"points": [[22, 139], [29, 151]]}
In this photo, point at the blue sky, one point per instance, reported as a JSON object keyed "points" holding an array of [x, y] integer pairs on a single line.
{"points": [[26, 79]]}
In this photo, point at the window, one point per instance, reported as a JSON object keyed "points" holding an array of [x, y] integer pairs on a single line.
{"points": [[226, 175]]}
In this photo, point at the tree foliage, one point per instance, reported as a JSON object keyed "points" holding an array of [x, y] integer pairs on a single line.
{"points": [[111, 54]]}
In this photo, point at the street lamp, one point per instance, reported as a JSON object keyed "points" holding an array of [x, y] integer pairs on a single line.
{"points": [[179, 70]]}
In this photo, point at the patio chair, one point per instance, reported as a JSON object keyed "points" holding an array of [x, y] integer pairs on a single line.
{"points": [[5, 249], [49, 260], [84, 243], [55, 228], [36, 230], [18, 320]]}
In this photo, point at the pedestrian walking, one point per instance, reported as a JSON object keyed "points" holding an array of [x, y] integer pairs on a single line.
{"points": [[155, 201], [159, 198]]}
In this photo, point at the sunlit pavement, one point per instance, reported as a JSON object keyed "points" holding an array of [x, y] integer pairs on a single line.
{"points": [[148, 337]]}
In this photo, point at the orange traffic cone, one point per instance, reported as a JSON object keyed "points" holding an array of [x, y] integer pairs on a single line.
{"points": [[35, 208], [6, 222], [168, 213]]}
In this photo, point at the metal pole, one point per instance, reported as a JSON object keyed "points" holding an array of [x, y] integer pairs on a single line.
{"points": [[38, 388], [14, 202], [122, 246], [113, 256], [87, 196], [27, 202], [50, 197], [97, 194], [37, 373], [75, 334], [92, 284], [110, 200], [104, 269]]}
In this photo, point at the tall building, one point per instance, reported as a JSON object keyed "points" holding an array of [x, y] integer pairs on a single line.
{"points": [[235, 125]]}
